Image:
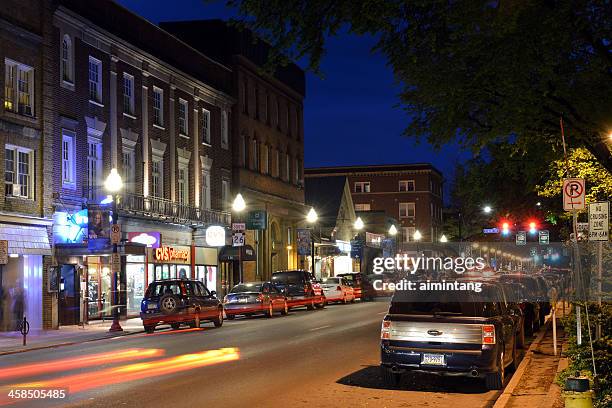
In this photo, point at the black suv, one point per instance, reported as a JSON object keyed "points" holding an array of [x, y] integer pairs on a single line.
{"points": [[300, 288], [179, 301]]}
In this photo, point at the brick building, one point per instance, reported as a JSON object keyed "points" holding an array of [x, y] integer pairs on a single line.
{"points": [[408, 193], [267, 135]]}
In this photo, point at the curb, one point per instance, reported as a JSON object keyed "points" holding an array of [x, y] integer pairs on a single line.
{"points": [[504, 399], [68, 343]]}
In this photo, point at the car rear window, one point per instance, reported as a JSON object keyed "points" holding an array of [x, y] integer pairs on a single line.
{"points": [[450, 303], [288, 278], [335, 281], [247, 287], [161, 288]]}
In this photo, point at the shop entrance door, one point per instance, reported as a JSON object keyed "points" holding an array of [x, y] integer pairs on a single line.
{"points": [[69, 296]]}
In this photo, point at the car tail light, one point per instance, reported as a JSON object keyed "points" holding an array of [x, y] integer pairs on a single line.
{"points": [[488, 334], [338, 288], [385, 331], [260, 297]]}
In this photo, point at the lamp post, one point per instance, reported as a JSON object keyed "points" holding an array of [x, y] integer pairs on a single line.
{"points": [[311, 218], [113, 184], [239, 206], [443, 239]]}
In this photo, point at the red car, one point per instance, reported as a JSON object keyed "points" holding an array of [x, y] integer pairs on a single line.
{"points": [[255, 298], [300, 289]]}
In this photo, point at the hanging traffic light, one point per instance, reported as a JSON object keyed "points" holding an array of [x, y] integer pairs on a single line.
{"points": [[533, 227], [505, 228]]}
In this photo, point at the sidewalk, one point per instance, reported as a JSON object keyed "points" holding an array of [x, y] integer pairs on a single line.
{"points": [[11, 342], [532, 385]]}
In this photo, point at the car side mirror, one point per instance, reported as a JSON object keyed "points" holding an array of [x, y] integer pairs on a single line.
{"points": [[213, 293]]}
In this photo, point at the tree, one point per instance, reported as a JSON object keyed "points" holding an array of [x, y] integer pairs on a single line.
{"points": [[480, 72]]}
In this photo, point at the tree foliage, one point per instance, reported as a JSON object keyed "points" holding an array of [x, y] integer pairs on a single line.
{"points": [[480, 72]]}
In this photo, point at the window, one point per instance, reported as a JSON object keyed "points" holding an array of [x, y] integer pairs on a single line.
{"points": [[297, 124], [18, 88], [408, 233], [225, 194], [94, 167], [157, 178], [95, 80], [205, 126], [182, 117], [158, 106], [277, 163], [243, 97], [68, 159], [277, 113], [287, 167], [406, 185], [296, 171], [18, 172], [264, 160], [129, 171], [183, 185], [66, 58], [266, 103], [224, 130], [362, 207], [206, 204], [128, 94], [245, 148], [257, 113], [255, 158], [362, 187], [406, 210], [287, 124]]}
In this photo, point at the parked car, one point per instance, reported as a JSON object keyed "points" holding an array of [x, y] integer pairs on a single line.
{"points": [[337, 289], [300, 288], [179, 301], [528, 296], [362, 288], [449, 333], [255, 298]]}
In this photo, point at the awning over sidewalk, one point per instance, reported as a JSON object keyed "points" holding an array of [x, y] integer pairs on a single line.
{"points": [[25, 239], [243, 253]]}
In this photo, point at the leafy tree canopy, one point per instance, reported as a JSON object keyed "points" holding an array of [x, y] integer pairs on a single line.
{"points": [[481, 71]]}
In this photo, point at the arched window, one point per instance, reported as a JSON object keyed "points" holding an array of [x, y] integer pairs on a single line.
{"points": [[66, 58]]}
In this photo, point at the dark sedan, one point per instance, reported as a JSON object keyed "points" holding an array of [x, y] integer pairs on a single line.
{"points": [[255, 298]]}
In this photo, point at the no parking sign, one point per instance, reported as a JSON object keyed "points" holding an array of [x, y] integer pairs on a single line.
{"points": [[573, 194]]}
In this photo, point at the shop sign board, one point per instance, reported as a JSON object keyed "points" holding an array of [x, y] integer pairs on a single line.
{"points": [[4, 255], [573, 194], [215, 236], [238, 239], [98, 226], [152, 239], [257, 220], [171, 254], [599, 221], [303, 241]]}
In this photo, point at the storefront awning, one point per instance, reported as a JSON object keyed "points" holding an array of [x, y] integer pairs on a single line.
{"points": [[243, 253], [25, 239]]}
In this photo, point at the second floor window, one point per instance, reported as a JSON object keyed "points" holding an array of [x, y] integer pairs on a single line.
{"points": [[68, 159], [255, 155], [95, 80], [277, 163], [128, 94], [129, 171], [94, 167], [408, 234], [18, 88], [206, 204], [158, 106], [406, 210], [66, 52], [363, 207], [157, 179], [206, 127], [287, 167], [264, 159], [18, 172], [362, 187], [225, 194], [183, 185], [224, 130], [182, 117], [406, 185]]}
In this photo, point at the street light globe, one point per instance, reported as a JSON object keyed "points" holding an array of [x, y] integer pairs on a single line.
{"points": [[359, 223], [238, 204], [113, 182], [443, 238], [392, 230], [487, 209], [312, 216], [417, 235]]}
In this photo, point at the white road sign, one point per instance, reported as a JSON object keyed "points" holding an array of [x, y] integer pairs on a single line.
{"points": [[238, 239], [573, 194], [115, 234], [238, 226], [599, 221]]}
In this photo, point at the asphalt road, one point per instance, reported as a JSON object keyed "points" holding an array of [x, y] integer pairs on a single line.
{"points": [[321, 358]]}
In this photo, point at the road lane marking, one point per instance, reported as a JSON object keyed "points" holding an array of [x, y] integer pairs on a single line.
{"points": [[319, 328]]}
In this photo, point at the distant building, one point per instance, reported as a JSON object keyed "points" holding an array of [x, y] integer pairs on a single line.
{"points": [[409, 193]]}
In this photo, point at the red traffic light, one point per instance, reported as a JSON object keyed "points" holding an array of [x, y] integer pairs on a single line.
{"points": [[533, 227]]}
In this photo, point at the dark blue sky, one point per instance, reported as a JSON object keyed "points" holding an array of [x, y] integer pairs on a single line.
{"points": [[350, 115]]}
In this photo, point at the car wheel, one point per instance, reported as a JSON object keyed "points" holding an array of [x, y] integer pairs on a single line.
{"points": [[231, 317], [175, 326], [149, 329], [311, 305], [285, 309], [495, 381], [218, 321], [521, 336], [270, 311], [390, 378], [168, 304]]}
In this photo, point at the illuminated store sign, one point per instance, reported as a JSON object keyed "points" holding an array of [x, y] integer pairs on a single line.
{"points": [[150, 239], [215, 236], [167, 254]]}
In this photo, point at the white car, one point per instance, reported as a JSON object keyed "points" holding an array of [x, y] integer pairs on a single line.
{"points": [[337, 290]]}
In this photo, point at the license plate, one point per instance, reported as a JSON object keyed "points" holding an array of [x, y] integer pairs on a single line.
{"points": [[243, 300], [151, 306], [433, 359]]}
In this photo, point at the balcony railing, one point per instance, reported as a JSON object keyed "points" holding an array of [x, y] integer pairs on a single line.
{"points": [[162, 209]]}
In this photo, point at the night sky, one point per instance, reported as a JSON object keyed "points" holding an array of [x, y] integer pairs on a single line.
{"points": [[350, 115]]}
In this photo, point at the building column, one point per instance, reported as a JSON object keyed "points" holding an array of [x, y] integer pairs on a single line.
{"points": [[172, 130], [145, 137], [113, 112], [196, 154]]}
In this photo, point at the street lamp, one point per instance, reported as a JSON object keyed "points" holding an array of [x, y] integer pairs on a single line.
{"points": [[359, 224], [392, 230], [113, 184], [238, 205], [443, 239], [311, 218], [487, 209], [417, 235]]}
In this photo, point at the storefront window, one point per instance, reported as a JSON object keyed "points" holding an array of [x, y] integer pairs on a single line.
{"points": [[135, 280], [98, 288], [208, 275]]}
